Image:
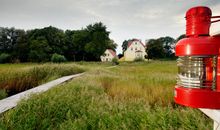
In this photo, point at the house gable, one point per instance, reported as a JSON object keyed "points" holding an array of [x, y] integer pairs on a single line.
{"points": [[108, 55], [135, 49]]}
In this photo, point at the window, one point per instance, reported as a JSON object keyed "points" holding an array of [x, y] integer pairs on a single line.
{"points": [[108, 55], [135, 43], [136, 49], [106, 59], [131, 49]]}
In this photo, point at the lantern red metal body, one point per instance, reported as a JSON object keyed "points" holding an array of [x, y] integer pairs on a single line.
{"points": [[198, 78]]}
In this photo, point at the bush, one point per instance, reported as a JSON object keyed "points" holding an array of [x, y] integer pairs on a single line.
{"points": [[138, 59], [56, 58], [3, 94], [4, 58], [115, 61]]}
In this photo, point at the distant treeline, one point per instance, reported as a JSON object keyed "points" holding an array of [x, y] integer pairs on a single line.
{"points": [[39, 45]]}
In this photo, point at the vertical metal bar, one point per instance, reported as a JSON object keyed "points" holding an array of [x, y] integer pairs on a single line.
{"points": [[214, 72]]}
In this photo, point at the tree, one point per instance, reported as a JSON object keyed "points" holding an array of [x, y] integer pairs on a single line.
{"points": [[98, 41], [39, 50], [48, 41], [162, 47], [180, 37], [112, 45], [80, 39], [7, 39], [39, 45], [21, 48], [155, 49], [55, 38], [70, 51], [14, 42], [168, 45], [124, 46]]}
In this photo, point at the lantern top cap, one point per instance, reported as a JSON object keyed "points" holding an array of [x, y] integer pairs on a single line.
{"points": [[199, 11]]}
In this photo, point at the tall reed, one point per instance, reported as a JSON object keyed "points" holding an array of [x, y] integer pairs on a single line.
{"points": [[22, 79]]}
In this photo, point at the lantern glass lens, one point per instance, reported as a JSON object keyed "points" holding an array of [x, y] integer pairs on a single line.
{"points": [[194, 73]]}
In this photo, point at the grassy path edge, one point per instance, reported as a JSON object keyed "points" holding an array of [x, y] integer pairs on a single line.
{"points": [[11, 102]]}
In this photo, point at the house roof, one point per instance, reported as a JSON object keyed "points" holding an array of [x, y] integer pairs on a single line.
{"points": [[112, 52], [132, 41]]}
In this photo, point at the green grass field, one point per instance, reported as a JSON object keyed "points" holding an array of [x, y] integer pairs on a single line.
{"points": [[129, 96]]}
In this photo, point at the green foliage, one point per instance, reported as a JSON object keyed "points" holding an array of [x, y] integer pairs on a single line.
{"points": [[112, 45], [8, 39], [155, 49], [124, 45], [5, 58], [115, 61], [180, 37], [168, 45], [56, 58], [98, 40], [139, 59], [39, 50], [3, 94], [130, 96], [162, 47], [38, 45]]}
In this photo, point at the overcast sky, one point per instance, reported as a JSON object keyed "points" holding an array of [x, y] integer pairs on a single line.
{"points": [[125, 19]]}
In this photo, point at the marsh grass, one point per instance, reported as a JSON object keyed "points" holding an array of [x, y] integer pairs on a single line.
{"points": [[18, 80], [145, 80], [130, 96], [3, 93]]}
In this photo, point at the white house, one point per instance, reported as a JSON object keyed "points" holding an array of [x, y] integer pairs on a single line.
{"points": [[135, 50], [108, 55]]}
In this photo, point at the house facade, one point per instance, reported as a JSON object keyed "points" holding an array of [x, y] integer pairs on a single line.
{"points": [[135, 50], [108, 55]]}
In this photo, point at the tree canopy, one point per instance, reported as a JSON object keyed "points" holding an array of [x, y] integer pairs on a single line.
{"points": [[162, 47], [38, 45]]}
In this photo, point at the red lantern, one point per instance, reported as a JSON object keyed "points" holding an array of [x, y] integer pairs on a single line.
{"points": [[198, 80]]}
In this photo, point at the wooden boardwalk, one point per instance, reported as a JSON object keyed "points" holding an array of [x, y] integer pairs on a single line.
{"points": [[10, 102]]}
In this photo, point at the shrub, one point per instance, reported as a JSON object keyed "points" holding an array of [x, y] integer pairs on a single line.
{"points": [[115, 61], [4, 58], [3, 94], [56, 58], [138, 59]]}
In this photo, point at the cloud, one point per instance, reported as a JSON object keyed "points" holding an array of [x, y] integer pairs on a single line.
{"points": [[142, 19]]}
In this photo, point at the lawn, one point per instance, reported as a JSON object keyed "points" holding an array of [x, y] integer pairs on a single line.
{"points": [[130, 96]]}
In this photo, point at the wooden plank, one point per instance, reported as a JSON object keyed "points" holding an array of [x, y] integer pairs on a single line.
{"points": [[10, 102]]}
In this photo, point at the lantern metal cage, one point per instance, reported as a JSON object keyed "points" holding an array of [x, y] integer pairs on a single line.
{"points": [[197, 71]]}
